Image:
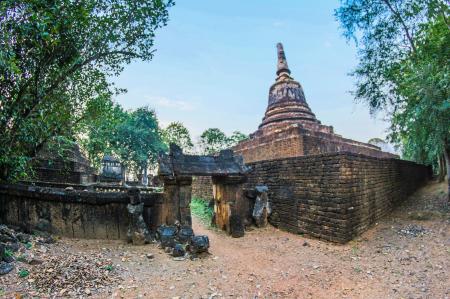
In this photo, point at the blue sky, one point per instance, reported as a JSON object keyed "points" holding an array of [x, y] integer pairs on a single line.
{"points": [[216, 60]]}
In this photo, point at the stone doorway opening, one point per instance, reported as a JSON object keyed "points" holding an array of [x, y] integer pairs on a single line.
{"points": [[228, 174]]}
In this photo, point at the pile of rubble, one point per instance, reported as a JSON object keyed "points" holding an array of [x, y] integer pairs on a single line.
{"points": [[180, 241], [413, 230], [15, 246]]}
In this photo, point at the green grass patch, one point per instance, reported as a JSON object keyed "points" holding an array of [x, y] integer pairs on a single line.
{"points": [[109, 267], [23, 273], [200, 209], [9, 253]]}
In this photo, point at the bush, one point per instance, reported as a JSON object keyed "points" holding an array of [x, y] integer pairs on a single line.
{"points": [[200, 208]]}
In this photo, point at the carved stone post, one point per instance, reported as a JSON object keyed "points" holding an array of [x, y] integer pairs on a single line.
{"points": [[137, 232], [177, 200], [230, 204]]}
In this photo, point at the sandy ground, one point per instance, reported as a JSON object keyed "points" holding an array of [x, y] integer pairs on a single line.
{"points": [[268, 263]]}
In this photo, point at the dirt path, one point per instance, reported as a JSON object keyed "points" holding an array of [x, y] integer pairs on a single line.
{"points": [[401, 257]]}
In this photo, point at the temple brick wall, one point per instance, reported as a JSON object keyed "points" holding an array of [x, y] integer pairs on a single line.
{"points": [[202, 187], [335, 196], [295, 142]]}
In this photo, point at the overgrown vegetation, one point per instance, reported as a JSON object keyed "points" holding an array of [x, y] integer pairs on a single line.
{"points": [[55, 60], [200, 208], [403, 70]]}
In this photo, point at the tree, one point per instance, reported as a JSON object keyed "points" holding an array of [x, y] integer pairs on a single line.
{"points": [[177, 133], [213, 140], [422, 121], [236, 137], [403, 69], [98, 139], [138, 141], [55, 58]]}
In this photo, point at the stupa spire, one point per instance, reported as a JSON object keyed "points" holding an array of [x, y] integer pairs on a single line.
{"points": [[282, 66]]}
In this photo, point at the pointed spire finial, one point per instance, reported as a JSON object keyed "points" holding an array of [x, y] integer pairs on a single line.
{"points": [[282, 66]]}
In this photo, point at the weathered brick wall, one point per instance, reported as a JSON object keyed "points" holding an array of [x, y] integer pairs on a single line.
{"points": [[296, 141], [287, 143], [202, 187], [335, 196], [375, 186], [319, 143], [75, 214]]}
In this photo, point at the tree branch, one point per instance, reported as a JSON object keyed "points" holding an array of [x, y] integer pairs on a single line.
{"points": [[402, 22]]}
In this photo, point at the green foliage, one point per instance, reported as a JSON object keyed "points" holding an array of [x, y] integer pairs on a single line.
{"points": [[109, 267], [421, 123], [403, 69], [55, 58], [178, 134], [133, 136], [28, 245], [98, 140], [23, 273], [201, 209], [9, 253], [384, 33], [236, 137], [213, 140]]}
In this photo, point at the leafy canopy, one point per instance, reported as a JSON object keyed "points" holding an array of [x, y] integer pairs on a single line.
{"points": [[55, 58], [213, 140], [132, 136], [403, 49], [403, 67], [178, 134]]}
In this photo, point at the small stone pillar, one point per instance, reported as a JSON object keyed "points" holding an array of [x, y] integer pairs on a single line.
{"points": [[137, 233], [231, 206], [177, 200]]}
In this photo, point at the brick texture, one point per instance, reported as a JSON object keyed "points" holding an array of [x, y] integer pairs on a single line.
{"points": [[202, 187], [334, 196]]}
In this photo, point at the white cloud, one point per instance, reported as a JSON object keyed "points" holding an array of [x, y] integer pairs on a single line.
{"points": [[164, 102]]}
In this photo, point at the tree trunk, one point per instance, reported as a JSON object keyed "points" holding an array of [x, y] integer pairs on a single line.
{"points": [[441, 174], [124, 174], [447, 162], [145, 176]]}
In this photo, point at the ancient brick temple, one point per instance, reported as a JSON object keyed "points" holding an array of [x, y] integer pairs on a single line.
{"points": [[290, 129]]}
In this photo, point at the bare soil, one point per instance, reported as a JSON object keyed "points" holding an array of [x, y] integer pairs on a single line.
{"points": [[406, 255]]}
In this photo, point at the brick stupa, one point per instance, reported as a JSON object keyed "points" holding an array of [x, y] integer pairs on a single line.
{"points": [[290, 129]]}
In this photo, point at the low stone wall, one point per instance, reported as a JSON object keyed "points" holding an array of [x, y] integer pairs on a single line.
{"points": [[335, 196], [202, 187], [75, 213]]}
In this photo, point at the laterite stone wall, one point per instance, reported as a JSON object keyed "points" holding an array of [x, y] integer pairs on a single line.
{"points": [[76, 213], [335, 196]]}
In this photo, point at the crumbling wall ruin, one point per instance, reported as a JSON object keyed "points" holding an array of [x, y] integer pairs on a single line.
{"points": [[90, 214]]}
